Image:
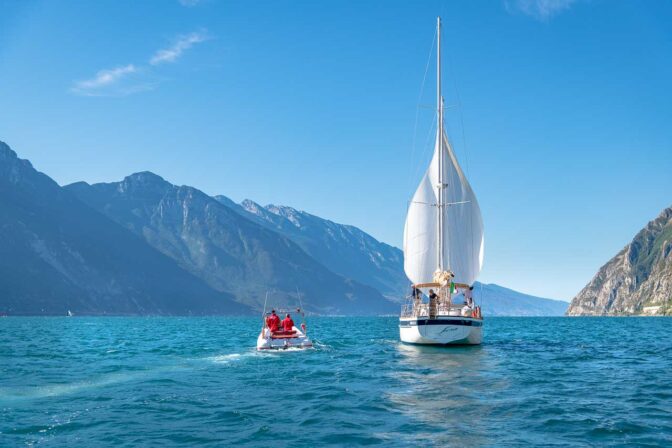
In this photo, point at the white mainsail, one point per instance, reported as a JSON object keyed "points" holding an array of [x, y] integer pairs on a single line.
{"points": [[461, 226]]}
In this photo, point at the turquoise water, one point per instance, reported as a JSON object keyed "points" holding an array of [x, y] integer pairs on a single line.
{"points": [[198, 381]]}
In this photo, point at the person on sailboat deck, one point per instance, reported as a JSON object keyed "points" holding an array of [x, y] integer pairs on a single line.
{"points": [[273, 321], [433, 302], [468, 297], [416, 293], [287, 324], [434, 298]]}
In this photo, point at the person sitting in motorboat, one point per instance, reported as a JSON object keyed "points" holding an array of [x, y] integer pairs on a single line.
{"points": [[273, 322], [287, 324]]}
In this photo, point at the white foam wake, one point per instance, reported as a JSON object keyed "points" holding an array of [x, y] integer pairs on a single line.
{"points": [[230, 357]]}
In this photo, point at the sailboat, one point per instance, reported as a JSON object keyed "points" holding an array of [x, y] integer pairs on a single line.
{"points": [[443, 248]]}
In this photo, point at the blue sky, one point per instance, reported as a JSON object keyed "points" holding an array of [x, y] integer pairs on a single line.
{"points": [[563, 125]]}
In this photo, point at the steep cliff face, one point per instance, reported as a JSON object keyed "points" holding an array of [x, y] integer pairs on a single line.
{"points": [[638, 280]]}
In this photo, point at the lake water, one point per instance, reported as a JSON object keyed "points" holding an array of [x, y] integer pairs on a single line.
{"points": [[198, 381]]}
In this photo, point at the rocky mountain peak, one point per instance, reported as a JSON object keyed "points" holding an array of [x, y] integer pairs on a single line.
{"points": [[291, 214], [17, 171], [144, 179], [638, 280], [6, 152], [252, 207], [226, 201], [144, 183], [10, 164]]}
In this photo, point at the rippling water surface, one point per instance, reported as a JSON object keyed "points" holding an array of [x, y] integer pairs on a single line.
{"points": [[198, 381]]}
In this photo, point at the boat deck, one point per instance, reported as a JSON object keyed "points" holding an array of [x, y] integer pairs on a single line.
{"points": [[424, 310]]}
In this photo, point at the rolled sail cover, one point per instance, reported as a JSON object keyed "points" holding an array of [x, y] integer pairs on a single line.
{"points": [[462, 224]]}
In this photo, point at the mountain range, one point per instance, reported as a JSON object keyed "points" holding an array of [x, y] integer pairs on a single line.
{"points": [[58, 254], [145, 246], [638, 280], [229, 252]]}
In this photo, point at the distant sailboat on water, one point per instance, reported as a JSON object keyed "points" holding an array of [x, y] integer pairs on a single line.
{"points": [[70, 314], [443, 248]]}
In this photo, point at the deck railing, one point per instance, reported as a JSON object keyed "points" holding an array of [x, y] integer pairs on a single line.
{"points": [[424, 310]]}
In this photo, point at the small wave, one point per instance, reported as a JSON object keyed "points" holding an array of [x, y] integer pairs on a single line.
{"points": [[290, 349], [321, 346], [225, 359], [230, 357]]}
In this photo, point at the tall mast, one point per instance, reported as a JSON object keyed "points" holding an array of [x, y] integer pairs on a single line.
{"points": [[439, 108]]}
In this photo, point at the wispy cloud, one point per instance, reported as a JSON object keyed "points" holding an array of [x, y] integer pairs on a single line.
{"points": [[110, 82], [106, 77], [182, 44], [542, 10], [131, 78], [189, 3]]}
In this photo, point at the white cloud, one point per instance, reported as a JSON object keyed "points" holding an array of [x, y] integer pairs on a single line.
{"points": [[128, 79], [539, 9], [182, 44], [106, 77], [189, 3], [111, 82]]}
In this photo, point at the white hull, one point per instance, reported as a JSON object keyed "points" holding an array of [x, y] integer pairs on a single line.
{"points": [[441, 330], [266, 341]]}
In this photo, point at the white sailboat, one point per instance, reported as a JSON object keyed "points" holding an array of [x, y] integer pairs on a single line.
{"points": [[443, 248]]}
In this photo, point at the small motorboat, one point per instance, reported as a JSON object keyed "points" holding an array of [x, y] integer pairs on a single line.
{"points": [[296, 338]]}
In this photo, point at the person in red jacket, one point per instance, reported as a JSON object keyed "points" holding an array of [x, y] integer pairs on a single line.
{"points": [[273, 321], [287, 324]]}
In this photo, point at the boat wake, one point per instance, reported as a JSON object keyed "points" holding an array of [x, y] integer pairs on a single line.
{"points": [[317, 345], [11, 394], [288, 350], [230, 357], [58, 390]]}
